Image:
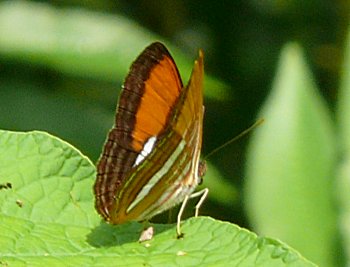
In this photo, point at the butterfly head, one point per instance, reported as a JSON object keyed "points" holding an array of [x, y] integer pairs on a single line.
{"points": [[202, 169]]}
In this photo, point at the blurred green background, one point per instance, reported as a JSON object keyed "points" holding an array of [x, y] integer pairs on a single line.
{"points": [[62, 64]]}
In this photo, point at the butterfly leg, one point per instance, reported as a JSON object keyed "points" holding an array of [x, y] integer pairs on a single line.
{"points": [[179, 215], [203, 193]]}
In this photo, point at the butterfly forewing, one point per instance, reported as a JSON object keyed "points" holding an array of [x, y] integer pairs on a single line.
{"points": [[150, 159]]}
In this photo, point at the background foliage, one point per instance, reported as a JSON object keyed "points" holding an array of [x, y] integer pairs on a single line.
{"points": [[62, 64]]}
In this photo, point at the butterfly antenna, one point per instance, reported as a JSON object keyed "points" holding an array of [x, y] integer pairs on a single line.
{"points": [[256, 124]]}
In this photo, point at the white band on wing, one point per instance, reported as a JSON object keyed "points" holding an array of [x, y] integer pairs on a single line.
{"points": [[147, 148]]}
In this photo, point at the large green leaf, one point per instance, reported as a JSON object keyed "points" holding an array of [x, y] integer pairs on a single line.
{"points": [[291, 164], [343, 115], [344, 101], [47, 217], [343, 197]]}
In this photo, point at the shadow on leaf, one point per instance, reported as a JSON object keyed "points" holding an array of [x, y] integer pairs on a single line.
{"points": [[108, 235]]}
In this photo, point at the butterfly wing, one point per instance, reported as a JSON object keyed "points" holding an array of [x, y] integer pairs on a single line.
{"points": [[150, 159]]}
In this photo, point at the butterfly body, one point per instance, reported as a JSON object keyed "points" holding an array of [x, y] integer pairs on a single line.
{"points": [[150, 160]]}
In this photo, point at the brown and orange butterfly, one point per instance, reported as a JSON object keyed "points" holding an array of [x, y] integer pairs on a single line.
{"points": [[150, 161]]}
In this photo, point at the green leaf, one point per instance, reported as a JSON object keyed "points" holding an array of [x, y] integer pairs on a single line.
{"points": [[47, 217], [291, 164], [343, 197], [82, 43], [343, 112], [343, 181], [51, 179]]}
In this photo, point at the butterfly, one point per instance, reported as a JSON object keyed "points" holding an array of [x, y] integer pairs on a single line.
{"points": [[151, 159]]}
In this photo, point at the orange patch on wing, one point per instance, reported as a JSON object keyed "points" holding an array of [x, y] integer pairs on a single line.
{"points": [[162, 89]]}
